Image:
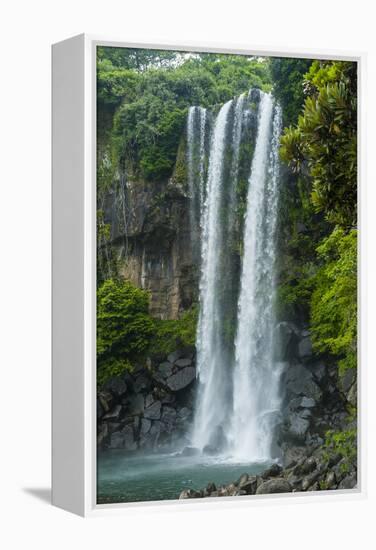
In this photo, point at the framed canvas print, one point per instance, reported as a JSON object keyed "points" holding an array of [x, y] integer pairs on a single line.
{"points": [[205, 274]]}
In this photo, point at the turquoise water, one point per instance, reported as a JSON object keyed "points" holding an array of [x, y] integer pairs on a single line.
{"points": [[124, 478]]}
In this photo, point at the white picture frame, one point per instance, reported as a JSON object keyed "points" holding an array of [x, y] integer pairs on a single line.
{"points": [[74, 268]]}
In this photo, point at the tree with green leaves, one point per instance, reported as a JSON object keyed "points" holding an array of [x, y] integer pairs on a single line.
{"points": [[325, 140], [148, 93], [334, 299], [124, 327], [288, 85]]}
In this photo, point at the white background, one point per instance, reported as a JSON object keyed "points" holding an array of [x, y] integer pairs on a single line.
{"points": [[27, 30]]}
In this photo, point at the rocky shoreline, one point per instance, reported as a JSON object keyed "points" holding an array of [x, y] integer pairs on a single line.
{"points": [[304, 470], [150, 410]]}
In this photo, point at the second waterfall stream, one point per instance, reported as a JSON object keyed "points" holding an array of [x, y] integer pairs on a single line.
{"points": [[234, 184]]}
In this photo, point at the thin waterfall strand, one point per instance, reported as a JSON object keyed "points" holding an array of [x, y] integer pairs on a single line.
{"points": [[256, 378], [212, 387]]}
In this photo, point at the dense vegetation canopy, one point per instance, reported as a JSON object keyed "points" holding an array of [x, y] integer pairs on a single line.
{"points": [[152, 92]]}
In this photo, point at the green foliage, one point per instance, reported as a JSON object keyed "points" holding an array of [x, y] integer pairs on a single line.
{"points": [[288, 88], [124, 326], [171, 334], [114, 83], [126, 332], [343, 443], [334, 300], [151, 91], [136, 58], [325, 138]]}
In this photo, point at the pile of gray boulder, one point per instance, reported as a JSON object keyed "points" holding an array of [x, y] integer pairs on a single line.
{"points": [[150, 408]]}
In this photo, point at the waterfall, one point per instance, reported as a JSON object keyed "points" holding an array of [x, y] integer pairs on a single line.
{"points": [[256, 376], [210, 412], [196, 137], [238, 391]]}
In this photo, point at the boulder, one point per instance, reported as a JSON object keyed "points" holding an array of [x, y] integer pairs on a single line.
{"points": [[298, 427], [293, 455], [185, 362], [347, 380], [190, 493], [299, 381], [149, 400], [167, 398], [113, 414], [168, 417], [352, 396], [116, 385], [307, 402], [181, 379], [250, 486], [295, 404], [154, 411], [348, 482], [184, 413], [151, 438], [277, 485], [334, 459], [275, 470], [136, 404], [306, 467], [318, 370], [106, 399], [175, 355], [330, 481], [242, 479], [165, 369], [145, 426], [231, 490], [209, 489], [142, 383], [305, 348], [310, 480]]}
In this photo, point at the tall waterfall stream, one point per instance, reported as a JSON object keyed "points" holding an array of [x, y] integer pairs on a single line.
{"points": [[238, 395]]}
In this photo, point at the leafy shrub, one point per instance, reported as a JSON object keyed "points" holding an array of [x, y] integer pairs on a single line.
{"points": [[343, 443], [124, 326], [334, 300], [171, 334]]}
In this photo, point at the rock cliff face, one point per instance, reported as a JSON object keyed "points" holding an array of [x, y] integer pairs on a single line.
{"points": [[315, 398], [150, 234]]}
